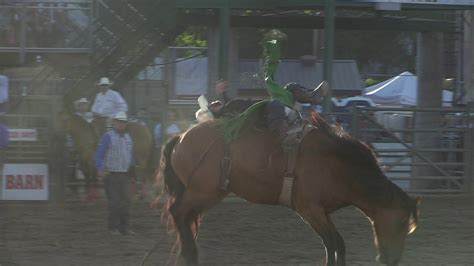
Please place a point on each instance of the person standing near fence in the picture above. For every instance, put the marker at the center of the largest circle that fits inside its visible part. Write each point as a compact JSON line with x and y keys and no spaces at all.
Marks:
{"x":114,"y":162}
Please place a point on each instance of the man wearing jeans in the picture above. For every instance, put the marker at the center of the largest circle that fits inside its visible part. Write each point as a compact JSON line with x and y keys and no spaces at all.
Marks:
{"x":114,"y":158}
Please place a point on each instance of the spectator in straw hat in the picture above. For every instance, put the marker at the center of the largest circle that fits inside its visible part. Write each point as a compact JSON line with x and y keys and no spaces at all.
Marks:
{"x":82,"y":109}
{"x":114,"y":162}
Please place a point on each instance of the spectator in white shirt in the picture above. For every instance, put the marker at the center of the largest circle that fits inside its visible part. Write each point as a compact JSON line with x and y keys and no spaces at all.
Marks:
{"x":108,"y":102}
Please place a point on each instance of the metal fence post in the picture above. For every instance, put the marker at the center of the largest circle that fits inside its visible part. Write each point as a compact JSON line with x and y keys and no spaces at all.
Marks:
{"x":355,"y":122}
{"x":22,"y":39}
{"x":470,"y":149}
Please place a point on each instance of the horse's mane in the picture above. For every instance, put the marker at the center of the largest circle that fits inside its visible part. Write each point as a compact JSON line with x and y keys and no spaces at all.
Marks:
{"x":378,"y":187}
{"x":353,"y":148}
{"x":80,"y":123}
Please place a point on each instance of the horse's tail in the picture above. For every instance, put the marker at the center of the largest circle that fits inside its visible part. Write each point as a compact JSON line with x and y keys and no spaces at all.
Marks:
{"x":172,"y":186}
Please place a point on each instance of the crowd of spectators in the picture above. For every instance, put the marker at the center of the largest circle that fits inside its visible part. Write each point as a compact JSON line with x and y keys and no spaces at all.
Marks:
{"x":43,"y":27}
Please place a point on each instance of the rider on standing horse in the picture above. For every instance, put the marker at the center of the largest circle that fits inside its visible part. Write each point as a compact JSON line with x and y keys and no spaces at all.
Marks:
{"x":82,"y":109}
{"x":108,"y":103}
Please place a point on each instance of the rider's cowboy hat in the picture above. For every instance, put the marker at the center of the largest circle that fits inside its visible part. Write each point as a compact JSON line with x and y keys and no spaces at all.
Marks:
{"x":104,"y":81}
{"x":121,"y":116}
{"x":82,"y":100}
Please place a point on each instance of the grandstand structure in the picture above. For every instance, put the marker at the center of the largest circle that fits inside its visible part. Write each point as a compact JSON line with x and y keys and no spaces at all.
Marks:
{"x":68,"y":44}
{"x":55,"y":50}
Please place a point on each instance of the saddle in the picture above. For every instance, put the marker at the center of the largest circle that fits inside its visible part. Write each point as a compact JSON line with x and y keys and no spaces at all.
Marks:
{"x":291,"y":144}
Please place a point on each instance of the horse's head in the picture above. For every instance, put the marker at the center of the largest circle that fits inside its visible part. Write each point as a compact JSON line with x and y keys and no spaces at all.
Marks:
{"x":391,"y":226}
{"x":393,"y":213}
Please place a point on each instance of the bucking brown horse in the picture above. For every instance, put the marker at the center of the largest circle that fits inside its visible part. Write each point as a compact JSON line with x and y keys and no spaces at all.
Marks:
{"x":333,"y":170}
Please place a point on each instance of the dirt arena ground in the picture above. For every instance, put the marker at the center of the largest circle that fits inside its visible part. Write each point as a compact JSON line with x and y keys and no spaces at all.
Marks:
{"x":233,"y":233}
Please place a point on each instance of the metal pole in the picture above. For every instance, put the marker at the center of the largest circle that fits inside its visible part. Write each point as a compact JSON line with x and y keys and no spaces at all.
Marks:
{"x":329,"y":27}
{"x":429,"y":72}
{"x":356,"y":113}
{"x":469,"y":145}
{"x":224,"y":25}
{"x":169,"y":89}
{"x":23,"y":15}
{"x":90,"y":24}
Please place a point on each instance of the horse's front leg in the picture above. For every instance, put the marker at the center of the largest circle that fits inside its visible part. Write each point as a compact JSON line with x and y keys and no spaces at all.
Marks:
{"x":332,"y":240}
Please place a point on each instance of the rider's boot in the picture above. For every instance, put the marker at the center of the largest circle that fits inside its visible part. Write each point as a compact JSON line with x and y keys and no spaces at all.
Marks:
{"x":319,"y":92}
{"x":303,"y":95}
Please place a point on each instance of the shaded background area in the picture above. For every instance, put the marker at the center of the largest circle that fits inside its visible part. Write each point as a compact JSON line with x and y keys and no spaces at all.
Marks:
{"x":233,"y":233}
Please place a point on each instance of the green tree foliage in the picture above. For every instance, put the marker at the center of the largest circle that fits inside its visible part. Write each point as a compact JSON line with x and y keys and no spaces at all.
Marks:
{"x":193,"y":36}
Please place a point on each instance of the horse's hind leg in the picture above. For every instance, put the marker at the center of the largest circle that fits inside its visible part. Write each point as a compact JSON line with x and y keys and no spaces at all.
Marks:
{"x":184,"y":220}
{"x":186,"y":212}
{"x":332,"y":240}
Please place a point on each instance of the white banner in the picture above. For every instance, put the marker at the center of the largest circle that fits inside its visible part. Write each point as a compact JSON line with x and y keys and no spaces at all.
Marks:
{"x":22,"y":134}
{"x":25,"y":182}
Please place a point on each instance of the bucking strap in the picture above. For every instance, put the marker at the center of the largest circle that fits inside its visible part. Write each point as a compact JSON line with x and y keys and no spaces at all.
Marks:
{"x":225,"y":168}
{"x":287,"y":187}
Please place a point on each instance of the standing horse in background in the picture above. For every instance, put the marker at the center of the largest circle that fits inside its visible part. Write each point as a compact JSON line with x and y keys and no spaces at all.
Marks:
{"x":333,"y":170}
{"x":86,"y":137}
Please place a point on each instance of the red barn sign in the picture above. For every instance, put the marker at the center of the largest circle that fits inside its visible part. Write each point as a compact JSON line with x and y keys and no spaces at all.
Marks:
{"x":25,"y":182}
